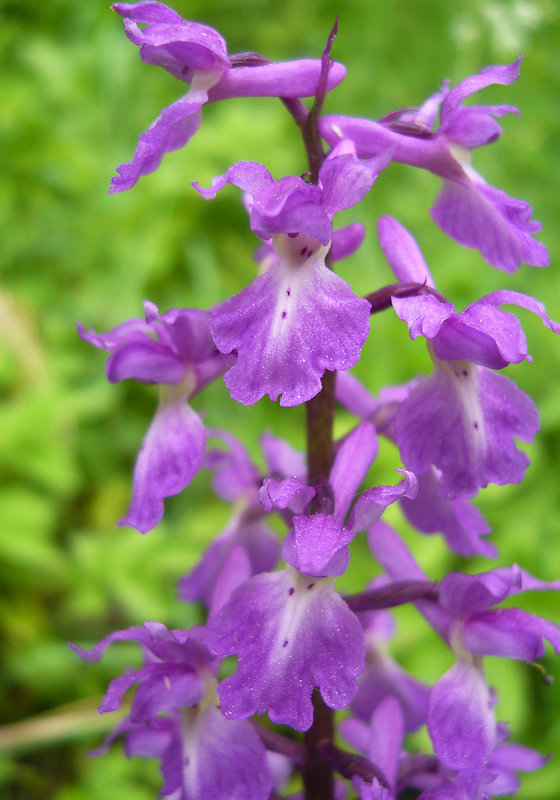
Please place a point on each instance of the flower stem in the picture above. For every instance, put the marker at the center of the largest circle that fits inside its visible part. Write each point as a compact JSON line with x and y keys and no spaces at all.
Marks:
{"x":317,"y":773}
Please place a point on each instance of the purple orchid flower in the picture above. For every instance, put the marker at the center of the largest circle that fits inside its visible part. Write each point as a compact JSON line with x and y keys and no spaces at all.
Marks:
{"x":183,"y":358}
{"x":298,"y":318}
{"x":197,"y":54}
{"x":461,"y":720}
{"x":290,"y":629}
{"x":467,"y":209}
{"x":202,"y":754}
{"x":464,"y":417}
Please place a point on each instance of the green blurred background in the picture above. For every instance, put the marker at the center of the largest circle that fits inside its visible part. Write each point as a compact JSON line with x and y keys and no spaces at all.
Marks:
{"x":74,"y":97}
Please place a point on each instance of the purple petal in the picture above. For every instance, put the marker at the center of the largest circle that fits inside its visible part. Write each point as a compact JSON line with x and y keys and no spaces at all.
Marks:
{"x":386,"y":738}
{"x":354,"y":396}
{"x":230,"y":761}
{"x":211,"y":757}
{"x":461,"y":523}
{"x":258,"y":542}
{"x":384,"y":678}
{"x":505,"y":297}
{"x":402,"y":252}
{"x":171,"y":42}
{"x":511,"y":633}
{"x":290,"y":325}
{"x":474,"y":126}
{"x":164,"y":687}
{"x":317,"y":545}
{"x":424,"y":314}
{"x":290,"y":634}
{"x":463,"y":420}
{"x":286,"y":79}
{"x":488,"y":76}
{"x":371,"y":504}
{"x":171,"y":130}
{"x":288,"y":493}
{"x":249,"y":176}
{"x":352,"y":461}
{"x":281,"y":458}
{"x":483,"y":335}
{"x":516,"y":756}
{"x":373,"y":138}
{"x":170,"y":456}
{"x":397,"y":560}
{"x":477,"y":215}
{"x":136,"y":634}
{"x":346,"y":241}
{"x":345,"y":180}
{"x":133,"y":330}
{"x":236,"y":570}
{"x":461,"y":722}
{"x":235,"y":475}
{"x":463,"y":595}
{"x":146,"y":362}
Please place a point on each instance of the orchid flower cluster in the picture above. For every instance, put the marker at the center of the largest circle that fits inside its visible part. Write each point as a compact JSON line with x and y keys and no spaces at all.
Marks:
{"x":304,"y":650}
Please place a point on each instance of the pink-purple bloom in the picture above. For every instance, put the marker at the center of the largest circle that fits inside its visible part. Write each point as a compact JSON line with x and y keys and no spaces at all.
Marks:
{"x":197,"y":54}
{"x":174,"y":718}
{"x":468,"y":209}
{"x":176,"y":351}
{"x":299,"y":318}
{"x":462,"y":419}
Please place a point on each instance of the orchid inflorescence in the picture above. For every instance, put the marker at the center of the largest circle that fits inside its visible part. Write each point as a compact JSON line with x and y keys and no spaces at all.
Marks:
{"x":303,"y":649}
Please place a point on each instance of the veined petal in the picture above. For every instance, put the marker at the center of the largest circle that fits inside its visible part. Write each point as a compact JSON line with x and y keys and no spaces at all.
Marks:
{"x":291,"y":633}
{"x":463,"y":420}
{"x":171,"y":130}
{"x":479,"y":216}
{"x":171,"y":455}
{"x":289,"y":325}
{"x":461,"y":722}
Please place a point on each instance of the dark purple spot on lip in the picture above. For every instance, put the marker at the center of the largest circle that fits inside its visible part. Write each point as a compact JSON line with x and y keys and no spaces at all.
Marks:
{"x":475,"y":426}
{"x":465,"y":372}
{"x":284,"y":314}
{"x":288,"y":292}
{"x":291,"y":590}
{"x":303,"y":251}
{"x":285,"y":643}
{"x":311,"y":585}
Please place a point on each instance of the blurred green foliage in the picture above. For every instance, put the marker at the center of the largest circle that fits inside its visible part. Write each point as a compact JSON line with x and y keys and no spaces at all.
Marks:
{"x":74,"y":98}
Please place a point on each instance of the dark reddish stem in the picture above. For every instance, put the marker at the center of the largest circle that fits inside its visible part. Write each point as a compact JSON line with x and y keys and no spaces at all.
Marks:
{"x":317,"y":770}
